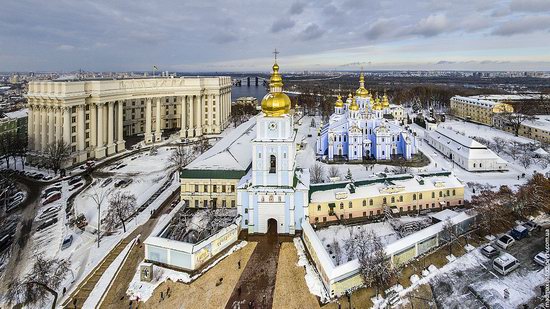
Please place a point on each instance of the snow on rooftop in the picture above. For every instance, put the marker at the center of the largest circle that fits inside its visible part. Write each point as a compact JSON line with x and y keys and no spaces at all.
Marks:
{"x":18,"y":114}
{"x":467,"y":147}
{"x":541,"y":122}
{"x":443,"y":215}
{"x":232,"y":152}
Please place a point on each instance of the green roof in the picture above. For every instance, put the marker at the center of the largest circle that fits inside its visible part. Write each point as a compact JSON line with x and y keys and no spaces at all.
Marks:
{"x":212,"y":174}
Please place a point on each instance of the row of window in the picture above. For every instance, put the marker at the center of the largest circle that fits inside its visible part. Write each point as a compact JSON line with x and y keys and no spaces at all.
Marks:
{"x":212,"y":203}
{"x":217,"y":188}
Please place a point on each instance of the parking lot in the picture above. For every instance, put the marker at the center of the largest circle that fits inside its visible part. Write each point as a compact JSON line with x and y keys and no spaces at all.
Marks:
{"x":471,"y":281}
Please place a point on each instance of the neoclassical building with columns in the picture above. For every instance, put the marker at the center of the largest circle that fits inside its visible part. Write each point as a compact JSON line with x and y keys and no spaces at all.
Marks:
{"x":94,"y":116}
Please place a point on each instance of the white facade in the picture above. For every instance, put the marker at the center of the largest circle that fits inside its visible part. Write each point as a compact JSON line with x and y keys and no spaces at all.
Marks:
{"x":464,"y":151}
{"x":94,"y":116}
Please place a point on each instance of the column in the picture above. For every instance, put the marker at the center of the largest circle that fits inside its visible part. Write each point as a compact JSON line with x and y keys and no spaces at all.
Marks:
{"x":183,"y":116}
{"x":93,"y":126}
{"x":36,"y":135}
{"x":158,"y":133}
{"x":100,"y":149}
{"x":110,"y":128}
{"x":58,"y":124}
{"x":44,"y":133}
{"x":67,"y":125}
{"x":30,"y":127}
{"x":148,"y":136}
{"x":51,"y":126}
{"x":121,"y":144}
{"x":198,"y":111}
{"x":191,"y":130}
{"x":80,"y":134}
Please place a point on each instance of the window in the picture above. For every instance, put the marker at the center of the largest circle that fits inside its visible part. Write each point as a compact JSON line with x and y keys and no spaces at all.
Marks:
{"x":350,"y":204}
{"x":341,"y":205}
{"x":393,"y":199}
{"x":205,"y":188}
{"x":384,"y":200}
{"x":401,"y":198}
{"x":318,"y":207}
{"x":196,"y":203}
{"x":232,"y":203}
{"x":272,"y":164}
{"x":196,"y":188}
{"x":246,"y":221}
{"x":350,"y":216}
{"x":420,"y":196}
{"x":454,"y":192}
{"x":364,"y":203}
{"x":370,"y":213}
{"x":223,"y":188}
{"x":440,"y":193}
{"x":232,"y":188}
{"x":433,"y":194}
{"x":371,"y":202}
{"x":246,"y":210}
{"x":414,"y":197}
{"x":214,"y":188}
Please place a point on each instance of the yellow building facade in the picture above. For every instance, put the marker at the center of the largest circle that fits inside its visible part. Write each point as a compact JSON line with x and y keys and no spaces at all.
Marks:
{"x":369,"y":198}
{"x":478,"y":110}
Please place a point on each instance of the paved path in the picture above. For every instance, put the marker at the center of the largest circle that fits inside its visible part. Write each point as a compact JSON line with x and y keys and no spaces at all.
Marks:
{"x":257,"y":283}
{"x":84,"y":289}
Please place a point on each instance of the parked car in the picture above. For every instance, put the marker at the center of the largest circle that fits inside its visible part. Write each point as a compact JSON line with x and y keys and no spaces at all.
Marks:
{"x":106,"y":182}
{"x":74,"y":180}
{"x":541,"y":258}
{"x":121,"y":166}
{"x":13,"y":205}
{"x":67,"y":242}
{"x":490,"y":251}
{"x":531,"y":226}
{"x":38,"y":176}
{"x":51,"y":209}
{"x":123,"y":183}
{"x":47,"y":177}
{"x":505,"y":241}
{"x":76,"y":186}
{"x":50,"y":190}
{"x":519,"y":232}
{"x":46,"y":224}
{"x":505,"y":264}
{"x":52,"y":198}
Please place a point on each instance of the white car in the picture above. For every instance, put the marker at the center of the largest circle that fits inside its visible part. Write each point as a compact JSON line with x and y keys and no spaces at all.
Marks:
{"x":541,"y":258}
{"x":505,"y":264}
{"x":505,"y":241}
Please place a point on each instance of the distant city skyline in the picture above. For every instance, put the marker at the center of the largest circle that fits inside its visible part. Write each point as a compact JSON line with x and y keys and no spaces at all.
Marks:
{"x":227,"y":36}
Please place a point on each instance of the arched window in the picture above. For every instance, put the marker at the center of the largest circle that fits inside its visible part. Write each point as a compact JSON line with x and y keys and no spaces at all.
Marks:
{"x":350,"y":204}
{"x":401,"y":198}
{"x":371,"y":202}
{"x":272,"y":164}
{"x":364,"y":203}
{"x":454,"y":192}
{"x":440,"y":193}
{"x":448,"y":193}
{"x":414,"y":197}
{"x":341,"y":205}
{"x":393,"y":199}
{"x":384,"y":200}
{"x":433,"y":194}
{"x":318,"y":207}
{"x":420,"y":196}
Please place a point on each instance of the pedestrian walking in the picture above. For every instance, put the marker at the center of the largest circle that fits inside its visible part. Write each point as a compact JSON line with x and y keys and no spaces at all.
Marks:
{"x":239,"y":264}
{"x":161,"y":296}
{"x":168,"y":292}
{"x":64,"y":290}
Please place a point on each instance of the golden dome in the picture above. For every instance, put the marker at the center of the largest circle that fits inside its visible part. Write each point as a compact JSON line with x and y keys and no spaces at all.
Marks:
{"x":339,"y":102}
{"x":385,"y":102}
{"x":276,"y":103}
{"x":361,"y":91}
{"x":377,"y":106}
{"x":354,"y":106}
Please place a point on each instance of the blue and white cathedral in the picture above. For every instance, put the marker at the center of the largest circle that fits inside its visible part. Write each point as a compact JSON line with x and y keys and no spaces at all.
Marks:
{"x":274,"y":194}
{"x":363,"y":128}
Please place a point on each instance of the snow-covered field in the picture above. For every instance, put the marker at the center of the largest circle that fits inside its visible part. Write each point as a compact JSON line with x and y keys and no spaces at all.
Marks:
{"x":147,"y":172}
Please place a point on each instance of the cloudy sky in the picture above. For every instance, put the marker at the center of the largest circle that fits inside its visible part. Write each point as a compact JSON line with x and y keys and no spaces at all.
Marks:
{"x":224,"y":35}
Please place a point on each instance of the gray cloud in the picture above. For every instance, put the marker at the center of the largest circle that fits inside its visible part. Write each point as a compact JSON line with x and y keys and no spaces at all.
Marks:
{"x":282,"y":24}
{"x":311,"y":32}
{"x":432,"y":25}
{"x":535,"y":6}
{"x":224,"y":37}
{"x":297,"y":8}
{"x":525,"y":24}
{"x":379,"y":28}
{"x":445,"y":62}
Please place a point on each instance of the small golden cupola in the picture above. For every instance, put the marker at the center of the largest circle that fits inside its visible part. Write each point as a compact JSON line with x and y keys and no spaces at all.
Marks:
{"x":276,"y":103}
{"x":339,"y":102}
{"x":362,"y":91}
{"x":354,"y":106}
{"x":385,"y":101}
{"x":377,"y":106}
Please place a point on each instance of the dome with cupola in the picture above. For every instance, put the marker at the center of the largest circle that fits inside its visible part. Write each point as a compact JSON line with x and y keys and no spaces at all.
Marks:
{"x":362,"y":91}
{"x":276,"y":103}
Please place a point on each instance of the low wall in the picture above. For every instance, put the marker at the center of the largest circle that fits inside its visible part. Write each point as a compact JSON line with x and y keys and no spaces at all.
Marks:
{"x":339,"y":279}
{"x":187,"y":256}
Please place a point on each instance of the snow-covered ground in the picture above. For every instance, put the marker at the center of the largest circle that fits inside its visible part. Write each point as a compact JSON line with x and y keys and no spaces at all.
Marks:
{"x":147,"y":172}
{"x":142,"y":291}
{"x":313,"y":281}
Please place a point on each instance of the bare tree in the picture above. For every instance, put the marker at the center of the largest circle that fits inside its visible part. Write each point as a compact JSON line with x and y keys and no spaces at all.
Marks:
{"x":317,"y":173}
{"x":401,"y":169}
{"x":182,"y":156}
{"x":337,"y":251}
{"x":449,"y":234}
{"x":201,"y":145}
{"x":525,"y":160}
{"x":56,"y":152}
{"x":514,"y":150}
{"x":98,"y":197}
{"x":374,"y":266}
{"x":333,"y":172}
{"x":493,"y":208}
{"x":499,"y":144}
{"x":45,"y":277}
{"x":121,"y":206}
{"x":514,"y":120}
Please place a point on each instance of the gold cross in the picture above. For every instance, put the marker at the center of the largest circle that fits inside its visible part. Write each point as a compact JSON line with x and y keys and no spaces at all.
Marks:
{"x":275,"y":52}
